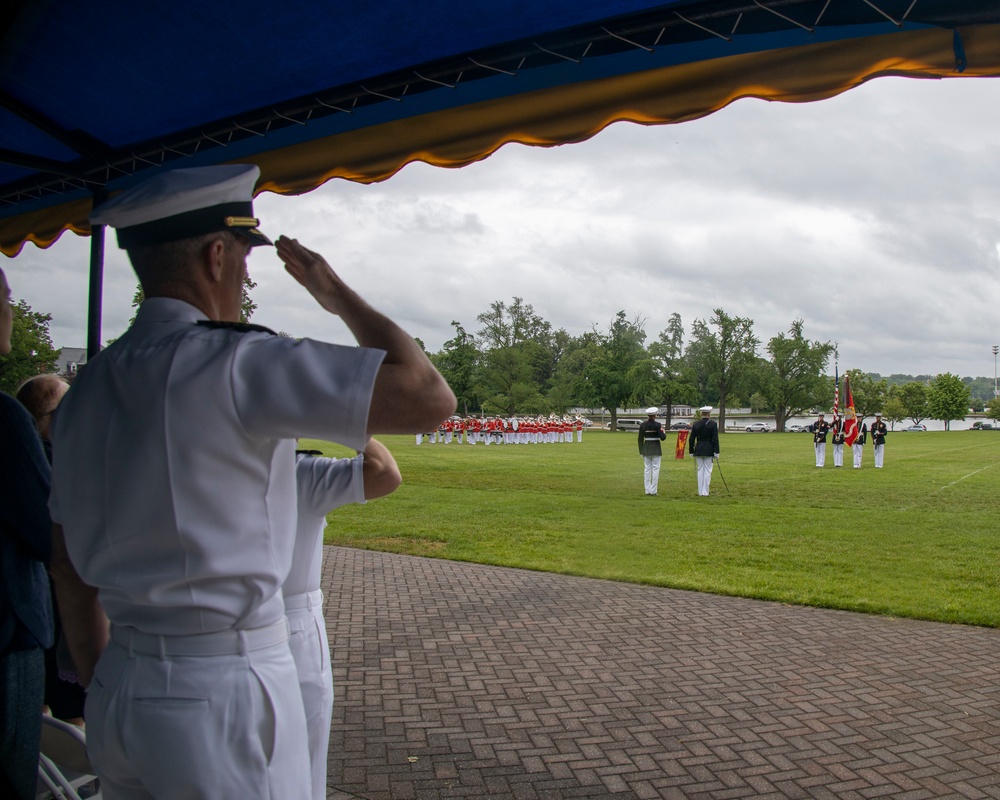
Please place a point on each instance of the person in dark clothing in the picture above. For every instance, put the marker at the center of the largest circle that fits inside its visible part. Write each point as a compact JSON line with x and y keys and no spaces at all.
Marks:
{"x":25,"y":603}
{"x":858,"y":448}
{"x":878,"y":432}
{"x":820,"y":429}
{"x":651,"y":433}
{"x":64,"y":694}
{"x":703,"y":444}
{"x":838,"y":439}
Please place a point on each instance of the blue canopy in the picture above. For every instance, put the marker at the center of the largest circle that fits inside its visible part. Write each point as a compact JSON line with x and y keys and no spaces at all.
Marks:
{"x":96,"y":96}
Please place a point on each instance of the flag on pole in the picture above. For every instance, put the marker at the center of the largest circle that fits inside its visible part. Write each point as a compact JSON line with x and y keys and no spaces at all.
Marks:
{"x":850,"y":417}
{"x":836,"y":390}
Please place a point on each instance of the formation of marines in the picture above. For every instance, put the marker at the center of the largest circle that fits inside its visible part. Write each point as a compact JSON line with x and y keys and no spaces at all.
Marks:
{"x":551,"y":429}
{"x":838,"y":428}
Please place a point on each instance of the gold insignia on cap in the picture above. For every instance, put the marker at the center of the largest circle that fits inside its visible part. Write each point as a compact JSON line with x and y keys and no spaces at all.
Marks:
{"x":241,"y":222}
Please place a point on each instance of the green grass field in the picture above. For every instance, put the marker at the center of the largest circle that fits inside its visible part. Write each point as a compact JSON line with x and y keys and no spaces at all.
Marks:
{"x":919,"y":538}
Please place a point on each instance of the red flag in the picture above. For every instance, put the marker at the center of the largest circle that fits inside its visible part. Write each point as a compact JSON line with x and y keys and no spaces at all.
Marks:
{"x":850,"y":418}
{"x":681,"y":447}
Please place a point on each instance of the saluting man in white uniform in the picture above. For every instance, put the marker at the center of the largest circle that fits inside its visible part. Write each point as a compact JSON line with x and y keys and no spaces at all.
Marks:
{"x":174,"y":481}
{"x":324,"y":484}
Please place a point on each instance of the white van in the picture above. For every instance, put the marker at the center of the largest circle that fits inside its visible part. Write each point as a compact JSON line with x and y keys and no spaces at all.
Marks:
{"x":626,"y":424}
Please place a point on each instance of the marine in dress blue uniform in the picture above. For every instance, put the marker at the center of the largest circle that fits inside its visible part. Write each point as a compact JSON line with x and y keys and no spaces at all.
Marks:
{"x":703,"y":444}
{"x":820,"y":428}
{"x":174,"y":481}
{"x":650,"y":435}
{"x":838,"y":438}
{"x":858,"y":448}
{"x":878,"y":431}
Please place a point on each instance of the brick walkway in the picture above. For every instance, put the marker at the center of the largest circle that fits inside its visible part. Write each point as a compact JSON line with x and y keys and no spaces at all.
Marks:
{"x":465,"y":681}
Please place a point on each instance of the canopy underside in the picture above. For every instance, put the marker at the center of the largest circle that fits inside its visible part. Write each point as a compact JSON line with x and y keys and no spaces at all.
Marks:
{"x":570,"y":98}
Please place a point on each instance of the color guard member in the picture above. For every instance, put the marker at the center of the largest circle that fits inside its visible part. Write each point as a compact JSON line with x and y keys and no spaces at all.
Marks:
{"x":820,"y":428}
{"x":879,"y":431}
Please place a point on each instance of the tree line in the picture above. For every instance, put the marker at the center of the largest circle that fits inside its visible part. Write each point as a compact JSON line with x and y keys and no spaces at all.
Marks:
{"x":516,"y":362}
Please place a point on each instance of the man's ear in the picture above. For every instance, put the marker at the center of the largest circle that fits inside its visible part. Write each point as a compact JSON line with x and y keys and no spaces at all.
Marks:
{"x":215,"y":261}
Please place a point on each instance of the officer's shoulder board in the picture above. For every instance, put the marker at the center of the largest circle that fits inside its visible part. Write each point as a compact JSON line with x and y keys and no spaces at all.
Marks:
{"x":239,"y":327}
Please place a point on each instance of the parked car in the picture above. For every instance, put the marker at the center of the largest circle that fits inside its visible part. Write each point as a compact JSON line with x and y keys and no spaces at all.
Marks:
{"x":915,"y":428}
{"x":680,"y":426}
{"x":983,"y":425}
{"x":758,"y":427}
{"x":796,"y":428}
{"x":626,"y":424}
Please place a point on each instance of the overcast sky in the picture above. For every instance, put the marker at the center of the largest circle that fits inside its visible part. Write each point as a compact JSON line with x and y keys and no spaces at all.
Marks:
{"x":873,"y":216}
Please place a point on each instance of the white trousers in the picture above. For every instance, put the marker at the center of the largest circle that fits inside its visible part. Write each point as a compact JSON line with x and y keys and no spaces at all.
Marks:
{"x":311,"y":651}
{"x":166,"y":726}
{"x":704,"y":466}
{"x":858,"y":450}
{"x":879,"y":455}
{"x":651,"y":473}
{"x":820,"y":453}
{"x":838,"y":455}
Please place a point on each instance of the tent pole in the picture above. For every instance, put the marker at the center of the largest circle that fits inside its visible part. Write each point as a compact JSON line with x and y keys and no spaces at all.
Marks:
{"x":96,"y":297}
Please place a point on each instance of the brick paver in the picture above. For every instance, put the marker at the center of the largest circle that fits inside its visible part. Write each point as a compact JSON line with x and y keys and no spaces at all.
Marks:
{"x":459,"y":680}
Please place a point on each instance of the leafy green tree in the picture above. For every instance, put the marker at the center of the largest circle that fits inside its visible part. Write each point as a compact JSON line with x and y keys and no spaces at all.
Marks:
{"x":457,"y":362}
{"x":616,"y":365}
{"x":673,"y":379}
{"x":793,"y":380}
{"x":727,"y":354}
{"x":913,"y":397}
{"x":947,"y":399}
{"x":893,"y":410}
{"x":568,"y":386}
{"x":869,"y":393}
{"x":980,"y":391}
{"x":31,"y":351}
{"x":993,"y":409}
{"x":516,"y":358}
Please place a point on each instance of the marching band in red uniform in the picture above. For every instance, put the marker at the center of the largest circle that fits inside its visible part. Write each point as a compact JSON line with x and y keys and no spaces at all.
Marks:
{"x":550,"y":429}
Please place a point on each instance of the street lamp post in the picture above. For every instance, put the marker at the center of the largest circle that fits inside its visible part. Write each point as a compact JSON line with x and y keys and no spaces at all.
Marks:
{"x":996,"y":349}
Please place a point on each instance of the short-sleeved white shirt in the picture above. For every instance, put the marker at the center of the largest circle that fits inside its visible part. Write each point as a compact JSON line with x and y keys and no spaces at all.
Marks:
{"x":323,"y":484}
{"x":174,"y":465}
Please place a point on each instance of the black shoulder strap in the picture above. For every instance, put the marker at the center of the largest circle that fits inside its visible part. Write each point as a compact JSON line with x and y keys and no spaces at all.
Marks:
{"x":239,"y":327}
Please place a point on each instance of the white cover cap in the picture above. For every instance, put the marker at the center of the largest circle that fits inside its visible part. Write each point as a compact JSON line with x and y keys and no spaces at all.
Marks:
{"x":653,"y":410}
{"x":181,"y":203}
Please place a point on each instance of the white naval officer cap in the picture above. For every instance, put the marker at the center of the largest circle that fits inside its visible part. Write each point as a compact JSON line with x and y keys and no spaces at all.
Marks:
{"x":653,"y":410}
{"x":705,"y":410}
{"x":182,"y":203}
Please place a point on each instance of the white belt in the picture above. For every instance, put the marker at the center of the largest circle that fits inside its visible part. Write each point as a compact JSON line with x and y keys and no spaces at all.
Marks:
{"x":223,"y":643}
{"x":304,"y":600}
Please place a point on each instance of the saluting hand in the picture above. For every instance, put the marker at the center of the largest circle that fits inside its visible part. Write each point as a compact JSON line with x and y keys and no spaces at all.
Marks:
{"x":311,"y":270}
